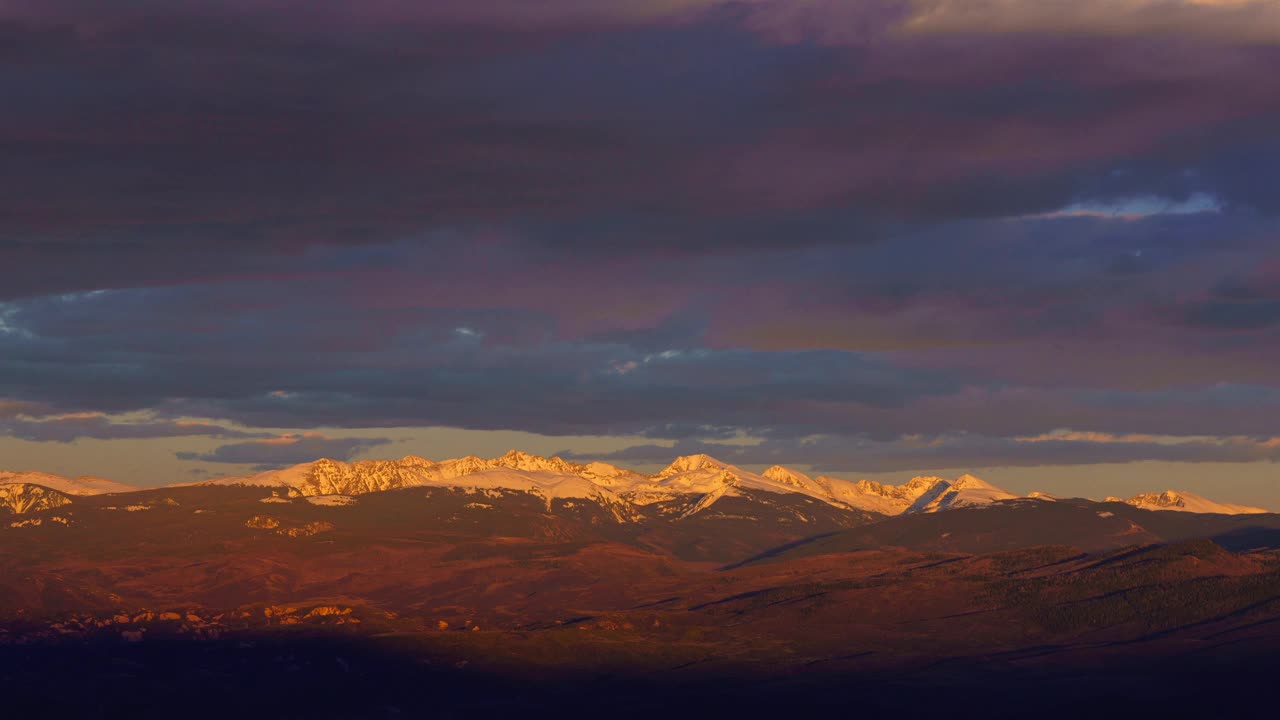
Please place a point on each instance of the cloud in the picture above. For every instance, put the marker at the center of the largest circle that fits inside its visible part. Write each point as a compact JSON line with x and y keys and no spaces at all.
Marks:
{"x":614,"y":125}
{"x":1233,"y":315}
{"x":1007,"y":327}
{"x":686,"y":220}
{"x":97,"y":426}
{"x":286,"y":450}
{"x":919,"y":453}
{"x":1240,"y":21}
{"x":15,"y":408}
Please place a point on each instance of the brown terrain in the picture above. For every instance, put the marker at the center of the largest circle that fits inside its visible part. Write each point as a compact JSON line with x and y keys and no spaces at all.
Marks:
{"x":561,"y":608}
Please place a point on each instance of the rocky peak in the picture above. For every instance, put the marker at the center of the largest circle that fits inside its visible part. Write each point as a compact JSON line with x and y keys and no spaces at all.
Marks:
{"x":415,"y":461}
{"x":1168,"y":498}
{"x":782,"y":475}
{"x":918,"y":485}
{"x":517,"y":460}
{"x":690,"y":463}
{"x":728,"y":477}
{"x":19,"y":498}
{"x":470,"y":463}
{"x":970,"y":482}
{"x":871,"y":486}
{"x":606,"y":474}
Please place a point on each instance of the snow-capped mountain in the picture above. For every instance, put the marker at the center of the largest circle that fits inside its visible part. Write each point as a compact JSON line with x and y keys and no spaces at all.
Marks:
{"x":20,"y":498}
{"x":1187,"y":502}
{"x":81,"y":486}
{"x":700,"y":479}
{"x":705,"y":475}
{"x":547,"y":478}
{"x":688,"y":486}
{"x":964,"y":491}
{"x":918,"y":495}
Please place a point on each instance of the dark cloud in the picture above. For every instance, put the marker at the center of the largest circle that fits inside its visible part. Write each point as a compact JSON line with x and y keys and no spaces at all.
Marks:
{"x":689,"y":220}
{"x":286,"y":450}
{"x":861,"y":454}
{"x":1229,"y":315}
{"x":999,"y":327}
{"x":67,"y":429}
{"x":177,"y":141}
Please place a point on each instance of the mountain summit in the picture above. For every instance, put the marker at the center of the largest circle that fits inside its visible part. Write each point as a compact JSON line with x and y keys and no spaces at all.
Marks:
{"x":81,"y":486}
{"x":1188,"y":502}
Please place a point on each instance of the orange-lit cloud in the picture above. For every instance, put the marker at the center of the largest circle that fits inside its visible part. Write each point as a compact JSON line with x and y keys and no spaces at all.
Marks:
{"x":286,"y":450}
{"x":1094,"y":437}
{"x":1223,"y":20}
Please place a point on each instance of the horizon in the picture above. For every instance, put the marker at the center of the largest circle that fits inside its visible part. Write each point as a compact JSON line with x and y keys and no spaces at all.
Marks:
{"x":1035,"y":241}
{"x":1001,"y":477}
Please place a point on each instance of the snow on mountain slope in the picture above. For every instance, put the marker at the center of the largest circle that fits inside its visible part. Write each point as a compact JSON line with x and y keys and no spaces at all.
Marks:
{"x":917,"y":495}
{"x":71,"y":486}
{"x":704,"y":475}
{"x":788,"y":477}
{"x":612,"y":487}
{"x":1188,"y":502}
{"x":964,"y":491}
{"x":19,"y":498}
{"x":546,"y":477}
{"x":701,"y":477}
{"x":608,"y":475}
{"x":333,"y":477}
{"x":697,"y":479}
{"x":880,"y":498}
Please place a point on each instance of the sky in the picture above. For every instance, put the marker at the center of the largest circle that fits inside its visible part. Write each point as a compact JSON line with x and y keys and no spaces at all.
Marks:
{"x":1034,"y":239}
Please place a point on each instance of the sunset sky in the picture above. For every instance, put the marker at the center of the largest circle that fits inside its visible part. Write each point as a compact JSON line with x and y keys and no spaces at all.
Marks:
{"x":1038,"y":240}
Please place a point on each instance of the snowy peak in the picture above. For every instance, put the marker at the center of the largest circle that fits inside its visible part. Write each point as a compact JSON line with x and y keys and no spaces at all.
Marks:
{"x":1181,"y":501}
{"x":416,"y":461}
{"x":791,"y":478}
{"x":691,"y":463}
{"x":608,"y":475}
{"x":964,"y":491}
{"x":919,"y":494}
{"x":460,"y":466}
{"x":970,"y":482}
{"x":871,"y":487}
{"x":515,"y":470}
{"x":81,"y":486}
{"x":20,"y":498}
{"x":921,"y":484}
{"x":692,"y":478}
{"x":334,"y":477}
{"x":517,"y":460}
{"x":1165,"y":501}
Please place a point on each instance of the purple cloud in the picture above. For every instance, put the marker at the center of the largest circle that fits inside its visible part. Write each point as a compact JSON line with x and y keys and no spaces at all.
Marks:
{"x":858,"y":454}
{"x":684,"y":220}
{"x":286,"y":450}
{"x":95,"y":426}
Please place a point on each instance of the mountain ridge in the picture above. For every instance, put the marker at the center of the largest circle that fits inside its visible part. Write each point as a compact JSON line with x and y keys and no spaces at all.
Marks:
{"x":704,"y":479}
{"x":82,"y":486}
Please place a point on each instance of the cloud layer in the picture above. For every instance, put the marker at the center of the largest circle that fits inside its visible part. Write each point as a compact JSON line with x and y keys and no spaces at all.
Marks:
{"x":285,"y":450}
{"x":917,"y":231}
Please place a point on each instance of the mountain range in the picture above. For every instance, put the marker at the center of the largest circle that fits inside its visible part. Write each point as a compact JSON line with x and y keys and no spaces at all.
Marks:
{"x":690,"y":485}
{"x":425,"y":585}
